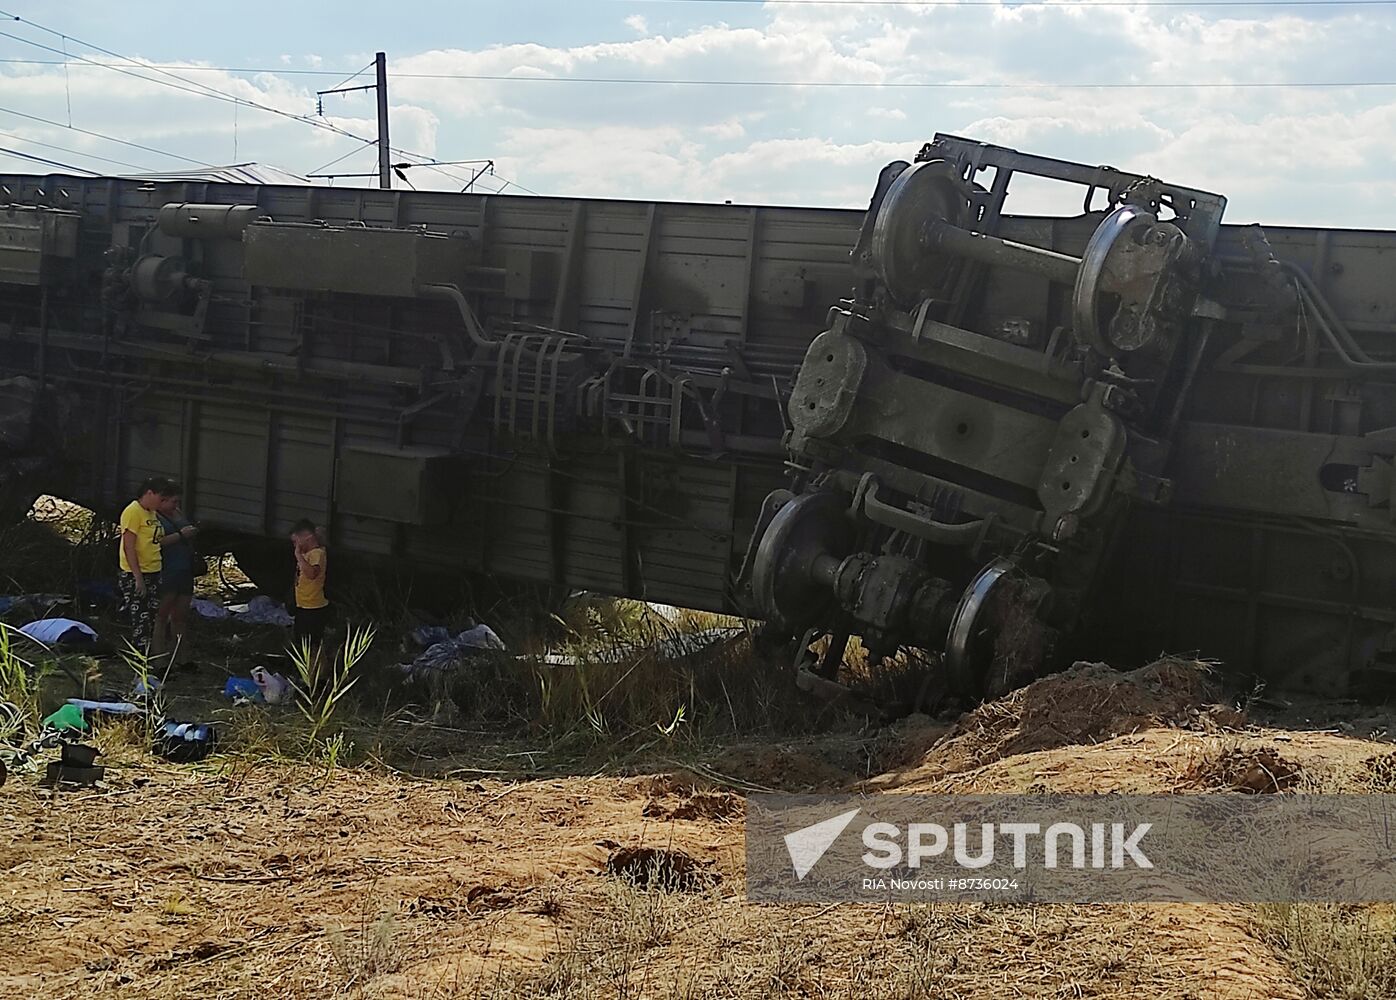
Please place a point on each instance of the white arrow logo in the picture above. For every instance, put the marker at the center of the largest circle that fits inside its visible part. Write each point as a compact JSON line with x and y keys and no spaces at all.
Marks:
{"x":807,"y":845}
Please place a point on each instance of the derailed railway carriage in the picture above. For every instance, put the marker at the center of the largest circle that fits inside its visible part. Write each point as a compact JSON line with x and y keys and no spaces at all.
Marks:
{"x":1006,"y":440}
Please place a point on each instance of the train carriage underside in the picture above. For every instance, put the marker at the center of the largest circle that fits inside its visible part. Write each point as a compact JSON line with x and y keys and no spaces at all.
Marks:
{"x":1010,"y":441}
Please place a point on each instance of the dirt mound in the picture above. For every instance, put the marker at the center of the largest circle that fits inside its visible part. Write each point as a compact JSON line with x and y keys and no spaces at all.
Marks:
{"x":667,"y":870}
{"x":1236,"y":769}
{"x":1089,"y":703}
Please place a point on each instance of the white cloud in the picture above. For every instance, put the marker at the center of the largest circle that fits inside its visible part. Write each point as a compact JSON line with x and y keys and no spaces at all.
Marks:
{"x":732,"y":128}
{"x":1280,"y":155}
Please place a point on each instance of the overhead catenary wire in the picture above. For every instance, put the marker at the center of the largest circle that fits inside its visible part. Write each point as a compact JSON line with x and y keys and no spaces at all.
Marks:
{"x":45,"y":160}
{"x":102,"y":135}
{"x":826,"y":84}
{"x":200,"y":89}
{"x":341,"y":158}
{"x":1018,"y":3}
{"x":197,"y":89}
{"x":73,"y":152}
{"x":912,"y":84}
{"x":351,"y":76}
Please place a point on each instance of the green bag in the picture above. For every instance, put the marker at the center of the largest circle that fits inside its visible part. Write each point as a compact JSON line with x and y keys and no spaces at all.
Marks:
{"x":66,"y":718}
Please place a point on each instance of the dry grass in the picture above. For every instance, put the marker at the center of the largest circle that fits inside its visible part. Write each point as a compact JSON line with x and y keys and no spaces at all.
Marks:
{"x":1342,"y":952}
{"x":640,"y":944}
{"x":635,"y":680}
{"x":368,"y":950}
{"x":279,"y":867}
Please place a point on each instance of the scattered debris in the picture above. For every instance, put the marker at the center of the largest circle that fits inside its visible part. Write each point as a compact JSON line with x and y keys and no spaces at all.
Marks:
{"x":185,"y":742}
{"x":89,"y":707}
{"x":261,"y":610}
{"x":75,"y":766}
{"x":242,"y":690}
{"x":274,"y":688}
{"x":67,"y":718}
{"x":23,"y":757}
{"x":664,"y":869}
{"x":205,"y":608}
{"x":444,"y":651}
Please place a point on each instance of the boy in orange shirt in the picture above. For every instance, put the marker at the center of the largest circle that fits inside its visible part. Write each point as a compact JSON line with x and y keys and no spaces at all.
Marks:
{"x":312,"y":612}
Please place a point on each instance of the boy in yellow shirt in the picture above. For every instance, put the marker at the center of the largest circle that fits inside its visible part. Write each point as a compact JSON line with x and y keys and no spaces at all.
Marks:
{"x":139,"y":555}
{"x":312,"y":612}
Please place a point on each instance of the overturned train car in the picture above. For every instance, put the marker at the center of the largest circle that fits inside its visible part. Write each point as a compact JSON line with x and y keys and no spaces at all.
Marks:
{"x":1007,"y":440}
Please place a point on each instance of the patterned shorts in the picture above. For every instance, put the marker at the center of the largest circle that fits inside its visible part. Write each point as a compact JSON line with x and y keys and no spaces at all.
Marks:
{"x":141,"y":608}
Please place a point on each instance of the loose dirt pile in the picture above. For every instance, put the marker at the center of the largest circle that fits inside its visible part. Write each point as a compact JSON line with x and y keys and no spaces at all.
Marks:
{"x":660,"y":869}
{"x":1089,"y":703}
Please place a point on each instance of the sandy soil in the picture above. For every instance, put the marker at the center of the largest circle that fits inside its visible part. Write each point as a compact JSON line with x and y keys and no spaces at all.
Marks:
{"x":240,"y":877}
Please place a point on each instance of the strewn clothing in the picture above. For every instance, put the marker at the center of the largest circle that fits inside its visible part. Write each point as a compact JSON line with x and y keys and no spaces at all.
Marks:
{"x":311,"y":593}
{"x":145,"y":525}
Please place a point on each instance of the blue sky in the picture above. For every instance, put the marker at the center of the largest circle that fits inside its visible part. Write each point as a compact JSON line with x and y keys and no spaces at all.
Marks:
{"x":1317,"y":156}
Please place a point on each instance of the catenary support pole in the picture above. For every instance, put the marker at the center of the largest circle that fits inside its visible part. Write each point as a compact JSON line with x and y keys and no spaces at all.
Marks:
{"x":385,"y":170}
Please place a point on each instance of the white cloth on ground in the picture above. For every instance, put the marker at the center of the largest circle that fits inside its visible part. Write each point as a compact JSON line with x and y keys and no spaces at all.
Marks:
{"x":53,"y":629}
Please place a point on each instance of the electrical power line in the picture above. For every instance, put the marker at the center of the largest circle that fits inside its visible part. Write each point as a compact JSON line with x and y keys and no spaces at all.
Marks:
{"x":341,"y":158}
{"x":52,"y":163}
{"x":202,"y":90}
{"x":102,"y":135}
{"x":352,"y":76}
{"x":1011,"y":4}
{"x":916,"y":84}
{"x":826,"y":84}
{"x":74,"y":152}
{"x":198,"y":89}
